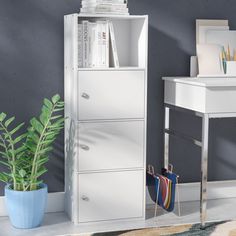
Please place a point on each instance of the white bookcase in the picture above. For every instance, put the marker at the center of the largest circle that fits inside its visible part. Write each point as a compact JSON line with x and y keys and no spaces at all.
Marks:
{"x":105,"y":133}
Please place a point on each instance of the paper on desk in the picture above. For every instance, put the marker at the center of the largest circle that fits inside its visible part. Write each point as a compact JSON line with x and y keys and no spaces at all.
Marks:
{"x":209,"y":59}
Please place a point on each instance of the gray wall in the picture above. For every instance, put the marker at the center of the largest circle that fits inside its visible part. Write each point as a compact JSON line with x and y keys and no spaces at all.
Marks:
{"x":31,"y":68}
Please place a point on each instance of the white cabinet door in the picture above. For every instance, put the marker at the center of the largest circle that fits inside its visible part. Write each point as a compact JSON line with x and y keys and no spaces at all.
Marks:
{"x":111,"y":94}
{"x":110,"y":196}
{"x":111,"y":145}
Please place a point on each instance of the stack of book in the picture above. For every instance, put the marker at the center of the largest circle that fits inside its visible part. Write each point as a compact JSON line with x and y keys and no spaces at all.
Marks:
{"x":118,"y":7}
{"x":97,"y":45}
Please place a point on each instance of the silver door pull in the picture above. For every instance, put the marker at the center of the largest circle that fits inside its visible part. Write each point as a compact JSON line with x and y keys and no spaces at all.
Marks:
{"x":85,"y":198}
{"x":84,"y":147}
{"x":85,"y":95}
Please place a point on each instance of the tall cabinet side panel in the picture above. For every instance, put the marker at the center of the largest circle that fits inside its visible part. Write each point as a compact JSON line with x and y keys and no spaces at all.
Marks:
{"x":70,"y":77}
{"x":146,"y":103}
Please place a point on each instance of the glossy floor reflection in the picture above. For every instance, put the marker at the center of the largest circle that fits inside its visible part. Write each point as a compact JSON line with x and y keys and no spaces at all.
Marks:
{"x":58,"y":224}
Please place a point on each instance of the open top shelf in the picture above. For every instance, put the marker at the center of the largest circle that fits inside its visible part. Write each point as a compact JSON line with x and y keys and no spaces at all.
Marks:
{"x":130,"y":36}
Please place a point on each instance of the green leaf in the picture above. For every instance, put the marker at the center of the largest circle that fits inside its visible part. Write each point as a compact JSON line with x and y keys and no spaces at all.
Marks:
{"x":48,"y":103}
{"x":2,"y":145}
{"x":46,"y":110}
{"x":2,"y":116}
{"x":48,"y":142}
{"x":36,"y":125}
{"x":3,"y":154}
{"x":41,"y":172}
{"x":5,"y":164}
{"x":31,"y":146}
{"x":4,"y":178}
{"x":9,"y":121}
{"x":19,"y":138}
{"x":33,"y":136}
{"x":22,"y":173}
{"x":42,"y":161}
{"x":17,"y":128}
{"x":55,"y":117}
{"x":56,"y":98}
{"x":20,"y":149}
{"x":45,"y":150}
{"x":43,"y":119}
{"x":58,"y":109}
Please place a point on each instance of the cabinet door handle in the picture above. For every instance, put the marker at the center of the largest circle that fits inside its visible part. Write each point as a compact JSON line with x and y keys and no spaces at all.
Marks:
{"x":85,"y":95}
{"x":85,"y":198}
{"x":84,"y":147}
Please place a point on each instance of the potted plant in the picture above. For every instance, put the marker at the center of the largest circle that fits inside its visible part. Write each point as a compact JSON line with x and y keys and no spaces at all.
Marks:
{"x":24,"y":156}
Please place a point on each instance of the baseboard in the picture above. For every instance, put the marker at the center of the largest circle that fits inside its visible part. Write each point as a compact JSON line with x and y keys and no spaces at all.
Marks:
{"x":55,"y":203}
{"x":216,"y":190}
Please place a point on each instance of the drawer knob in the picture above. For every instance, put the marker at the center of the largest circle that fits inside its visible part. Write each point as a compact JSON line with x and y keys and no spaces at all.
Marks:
{"x":85,"y":95}
{"x":84,"y":147}
{"x":85,"y":198}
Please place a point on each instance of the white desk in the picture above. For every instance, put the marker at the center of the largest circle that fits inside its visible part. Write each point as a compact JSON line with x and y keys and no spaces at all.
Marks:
{"x":205,"y":97}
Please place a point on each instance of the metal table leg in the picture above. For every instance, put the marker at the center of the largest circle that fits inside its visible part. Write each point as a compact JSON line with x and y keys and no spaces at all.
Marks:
{"x":166,"y":141}
{"x":204,"y":163}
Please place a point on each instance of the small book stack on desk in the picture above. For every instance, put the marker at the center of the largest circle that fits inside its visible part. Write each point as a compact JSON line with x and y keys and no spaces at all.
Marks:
{"x":116,"y":7}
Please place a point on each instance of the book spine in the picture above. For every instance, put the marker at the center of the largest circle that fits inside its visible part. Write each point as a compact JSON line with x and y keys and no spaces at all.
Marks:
{"x":102,"y":11}
{"x":105,"y":8}
{"x":90,"y":45}
{"x":103,"y":1}
{"x":105,"y":47}
{"x":107,"y":44}
{"x":80,"y":45}
{"x":85,"y":44}
{"x":113,"y":45}
{"x":93,"y":50}
{"x":99,"y":44}
{"x":105,"y":5}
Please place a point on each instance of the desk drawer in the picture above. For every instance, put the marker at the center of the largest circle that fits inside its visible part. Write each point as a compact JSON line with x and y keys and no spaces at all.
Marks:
{"x":111,"y":145}
{"x":110,"y":196}
{"x":111,"y":95}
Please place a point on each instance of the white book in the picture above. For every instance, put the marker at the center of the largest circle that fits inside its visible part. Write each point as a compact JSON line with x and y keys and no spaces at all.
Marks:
{"x":92,"y":44}
{"x":104,"y":9}
{"x":105,"y":5}
{"x":97,"y":11}
{"x":80,"y":45}
{"x":104,"y":13}
{"x":103,"y":44}
{"x":114,"y":53}
{"x":99,"y":44}
{"x":106,"y":30}
{"x":85,"y":44}
{"x":103,"y":1}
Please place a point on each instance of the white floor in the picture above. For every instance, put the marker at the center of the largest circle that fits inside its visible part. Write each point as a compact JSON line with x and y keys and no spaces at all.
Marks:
{"x":58,"y":224}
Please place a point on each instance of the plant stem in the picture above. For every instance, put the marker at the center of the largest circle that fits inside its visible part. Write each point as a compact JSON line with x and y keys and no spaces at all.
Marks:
{"x":34,"y":166}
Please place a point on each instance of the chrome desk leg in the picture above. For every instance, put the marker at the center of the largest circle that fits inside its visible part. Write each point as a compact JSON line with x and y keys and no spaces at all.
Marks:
{"x":204,"y":162}
{"x":166,"y":141}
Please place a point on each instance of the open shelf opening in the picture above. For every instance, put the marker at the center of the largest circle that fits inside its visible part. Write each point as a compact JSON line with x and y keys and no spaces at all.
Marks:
{"x":130,"y":37}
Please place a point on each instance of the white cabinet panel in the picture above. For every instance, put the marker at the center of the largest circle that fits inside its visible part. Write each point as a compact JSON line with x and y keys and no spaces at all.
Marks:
{"x":111,"y":94}
{"x":111,"y":195}
{"x":111,"y":145}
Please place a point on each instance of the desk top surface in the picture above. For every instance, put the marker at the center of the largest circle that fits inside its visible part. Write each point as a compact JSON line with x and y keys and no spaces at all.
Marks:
{"x":204,"y":81}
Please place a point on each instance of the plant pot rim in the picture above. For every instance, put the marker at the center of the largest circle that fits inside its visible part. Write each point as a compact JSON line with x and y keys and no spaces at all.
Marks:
{"x":42,"y":186}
